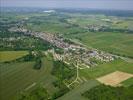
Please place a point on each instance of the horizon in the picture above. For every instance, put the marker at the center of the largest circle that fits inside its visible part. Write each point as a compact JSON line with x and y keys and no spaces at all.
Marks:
{"x":78,"y":4}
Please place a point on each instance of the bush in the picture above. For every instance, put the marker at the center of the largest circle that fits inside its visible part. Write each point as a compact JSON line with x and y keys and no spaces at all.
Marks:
{"x":103,"y":92}
{"x":62,"y":70}
{"x":38,"y":63}
{"x":39,"y":93}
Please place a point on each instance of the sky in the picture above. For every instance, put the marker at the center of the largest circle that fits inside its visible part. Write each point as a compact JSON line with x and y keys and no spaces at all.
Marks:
{"x":93,"y":4}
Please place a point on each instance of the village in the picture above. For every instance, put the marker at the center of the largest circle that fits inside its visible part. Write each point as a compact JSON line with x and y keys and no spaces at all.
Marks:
{"x":73,"y":52}
{"x":66,"y":53}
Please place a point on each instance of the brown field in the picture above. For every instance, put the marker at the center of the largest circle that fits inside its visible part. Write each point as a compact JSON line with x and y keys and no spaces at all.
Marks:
{"x":114,"y":78}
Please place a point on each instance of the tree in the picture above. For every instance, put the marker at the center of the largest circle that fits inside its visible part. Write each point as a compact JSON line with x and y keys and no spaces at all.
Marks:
{"x":38,"y":63}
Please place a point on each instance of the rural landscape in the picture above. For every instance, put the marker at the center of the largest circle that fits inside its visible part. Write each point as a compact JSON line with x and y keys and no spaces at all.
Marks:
{"x":66,"y":54}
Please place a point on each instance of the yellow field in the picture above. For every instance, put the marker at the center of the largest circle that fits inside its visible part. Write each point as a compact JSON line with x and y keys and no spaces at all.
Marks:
{"x":11,"y":55}
{"x":114,"y":78}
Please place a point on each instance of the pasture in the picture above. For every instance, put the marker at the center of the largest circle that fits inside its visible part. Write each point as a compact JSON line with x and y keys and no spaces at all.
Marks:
{"x":113,"y":42}
{"x":16,"y":77}
{"x":92,"y":73}
{"x":106,"y":68}
{"x":113,"y":22}
{"x":11,"y":55}
{"x":127,"y":82}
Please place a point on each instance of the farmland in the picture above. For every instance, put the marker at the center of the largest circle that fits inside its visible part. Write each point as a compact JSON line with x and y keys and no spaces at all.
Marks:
{"x":19,"y":76}
{"x":119,"y":77}
{"x":76,"y":27}
{"x":128,"y":82}
{"x":107,"y":68}
{"x":60,"y":55}
{"x":11,"y":55}
{"x":116,"y":43}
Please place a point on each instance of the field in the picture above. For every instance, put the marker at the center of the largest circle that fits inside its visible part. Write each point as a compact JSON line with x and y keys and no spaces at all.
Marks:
{"x":20,"y":75}
{"x":127,"y":82}
{"x":11,"y":55}
{"x":114,"y":22}
{"x":95,"y":72}
{"x":107,"y":68}
{"x":120,"y":43}
{"x":114,"y":78}
{"x":16,"y":77}
{"x":116,"y":43}
{"x":73,"y":25}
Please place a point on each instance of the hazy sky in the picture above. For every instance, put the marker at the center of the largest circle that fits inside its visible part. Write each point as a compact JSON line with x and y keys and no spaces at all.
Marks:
{"x":98,"y":4}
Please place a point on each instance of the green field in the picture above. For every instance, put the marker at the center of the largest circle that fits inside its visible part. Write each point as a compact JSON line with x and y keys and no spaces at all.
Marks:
{"x":116,"y":43}
{"x":96,"y":72}
{"x":73,"y":26}
{"x":106,"y":68}
{"x":16,"y":77}
{"x":128,"y":82}
{"x":11,"y":55}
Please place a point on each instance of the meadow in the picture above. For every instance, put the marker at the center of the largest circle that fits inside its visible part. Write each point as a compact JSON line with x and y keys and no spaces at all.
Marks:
{"x":112,"y":42}
{"x":92,"y":73}
{"x":74,"y":26}
{"x":127,"y":82}
{"x":106,"y":68}
{"x":18,"y":77}
{"x":21,"y":76}
{"x":11,"y":55}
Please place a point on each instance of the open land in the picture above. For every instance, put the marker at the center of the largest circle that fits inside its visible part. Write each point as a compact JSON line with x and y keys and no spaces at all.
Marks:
{"x":11,"y":55}
{"x":73,"y":50}
{"x":114,"y":78}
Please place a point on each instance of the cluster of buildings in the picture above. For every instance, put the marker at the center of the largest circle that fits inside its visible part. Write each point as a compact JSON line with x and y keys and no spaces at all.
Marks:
{"x":96,"y":27}
{"x":82,"y":56}
{"x":85,"y":56}
{"x":51,"y":38}
{"x":72,"y":52}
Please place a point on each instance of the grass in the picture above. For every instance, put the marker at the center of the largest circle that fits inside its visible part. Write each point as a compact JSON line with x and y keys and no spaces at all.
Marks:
{"x":16,"y":77}
{"x":107,"y":68}
{"x":117,"y":43}
{"x":128,"y":82}
{"x":61,"y":28}
{"x":11,"y":55}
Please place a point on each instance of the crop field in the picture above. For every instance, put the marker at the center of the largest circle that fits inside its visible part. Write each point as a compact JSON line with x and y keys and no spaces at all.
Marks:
{"x":114,"y":78}
{"x":95,"y":72}
{"x":74,"y":27}
{"x":84,"y":20}
{"x":16,"y":77}
{"x":54,"y":26}
{"x":106,"y":68}
{"x":66,"y":77}
{"x":116,"y":43}
{"x":127,"y":82}
{"x":11,"y":55}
